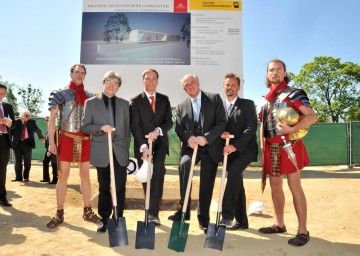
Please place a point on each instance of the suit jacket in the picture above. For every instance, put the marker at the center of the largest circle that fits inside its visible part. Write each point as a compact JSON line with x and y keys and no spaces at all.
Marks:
{"x":144,"y":120}
{"x":31,"y":128}
{"x":95,"y":116}
{"x":242,"y":123}
{"x":213,"y":123}
{"x":9,"y":112}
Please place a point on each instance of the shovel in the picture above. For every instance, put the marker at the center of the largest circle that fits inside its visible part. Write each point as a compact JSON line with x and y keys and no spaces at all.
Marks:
{"x":116,"y":226}
{"x":216,"y":234}
{"x":145,"y":230}
{"x":179,"y":230}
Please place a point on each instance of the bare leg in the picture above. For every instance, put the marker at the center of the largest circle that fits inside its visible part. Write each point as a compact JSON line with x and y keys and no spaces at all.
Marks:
{"x":85,"y":184}
{"x":61,"y":186}
{"x":299,"y":200}
{"x":278,"y":198}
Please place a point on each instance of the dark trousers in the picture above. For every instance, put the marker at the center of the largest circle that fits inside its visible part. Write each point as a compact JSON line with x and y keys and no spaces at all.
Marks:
{"x":4,"y":159}
{"x":105,"y":201}
{"x":234,"y":200}
{"x":208,"y":169}
{"x":23,"y":152}
{"x":158,"y":176}
{"x":47,"y":159}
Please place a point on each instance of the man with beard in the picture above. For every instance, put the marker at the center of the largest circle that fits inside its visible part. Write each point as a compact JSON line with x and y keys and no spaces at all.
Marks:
{"x":242,"y":150}
{"x":274,"y":158}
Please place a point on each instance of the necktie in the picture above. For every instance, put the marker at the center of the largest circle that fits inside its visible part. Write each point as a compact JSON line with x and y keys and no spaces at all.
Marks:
{"x":152,"y":103}
{"x":2,"y":126}
{"x":229,"y":109}
{"x":196,"y":110}
{"x":111,"y":113}
{"x":23,"y":132}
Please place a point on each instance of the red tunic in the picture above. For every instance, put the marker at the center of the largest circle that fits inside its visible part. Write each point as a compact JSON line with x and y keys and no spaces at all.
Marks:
{"x":66,"y":148}
{"x":286,"y":166}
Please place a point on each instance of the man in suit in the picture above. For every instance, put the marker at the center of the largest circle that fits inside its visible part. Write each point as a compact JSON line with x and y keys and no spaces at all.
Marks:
{"x":6,"y":124}
{"x":49,"y":157}
{"x":23,"y":144}
{"x":200,"y":120}
{"x":242,"y":150}
{"x":101,"y":115}
{"x":150,"y":114}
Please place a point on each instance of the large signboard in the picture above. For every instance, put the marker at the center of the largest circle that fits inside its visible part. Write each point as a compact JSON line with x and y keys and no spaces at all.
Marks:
{"x":175,"y":37}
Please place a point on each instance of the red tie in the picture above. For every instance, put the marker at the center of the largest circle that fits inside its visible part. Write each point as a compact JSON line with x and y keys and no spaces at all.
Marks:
{"x":152,"y":103}
{"x":23,"y":131}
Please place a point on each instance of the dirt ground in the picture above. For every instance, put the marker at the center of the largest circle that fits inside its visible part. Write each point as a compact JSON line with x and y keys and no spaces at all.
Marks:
{"x":333,"y":215}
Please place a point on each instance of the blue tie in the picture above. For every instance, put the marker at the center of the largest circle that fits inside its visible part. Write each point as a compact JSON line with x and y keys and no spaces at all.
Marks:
{"x":196,"y":110}
{"x":229,"y":109}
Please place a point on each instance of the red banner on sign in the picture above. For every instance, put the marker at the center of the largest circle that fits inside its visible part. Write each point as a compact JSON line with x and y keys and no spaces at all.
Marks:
{"x":180,"y":6}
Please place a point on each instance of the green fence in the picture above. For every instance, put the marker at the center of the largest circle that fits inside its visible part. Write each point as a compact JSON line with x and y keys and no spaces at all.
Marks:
{"x":327,"y":144}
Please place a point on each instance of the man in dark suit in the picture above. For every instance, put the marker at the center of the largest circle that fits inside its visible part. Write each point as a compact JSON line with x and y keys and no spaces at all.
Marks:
{"x":6,"y":123}
{"x":200,"y":120}
{"x":150,"y":114}
{"x":242,"y":150}
{"x":23,"y":143}
{"x":49,"y":157}
{"x":101,"y":115}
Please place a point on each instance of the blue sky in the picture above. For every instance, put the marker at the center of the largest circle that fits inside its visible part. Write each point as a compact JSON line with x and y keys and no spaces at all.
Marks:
{"x":40,"y":39}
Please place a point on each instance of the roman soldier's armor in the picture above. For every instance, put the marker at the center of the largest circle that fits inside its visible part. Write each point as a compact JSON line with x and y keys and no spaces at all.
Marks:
{"x":65,"y":99}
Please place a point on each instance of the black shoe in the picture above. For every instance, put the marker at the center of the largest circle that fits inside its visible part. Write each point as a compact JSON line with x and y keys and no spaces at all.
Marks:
{"x":236,"y":225}
{"x":177,"y":216}
{"x":155,"y":220}
{"x":44,"y":180}
{"x":102,"y":227}
{"x":53,"y":182}
{"x":16,"y":180}
{"x":26,"y":180}
{"x":226,"y":222}
{"x":204,"y":228}
{"x":5,"y":202}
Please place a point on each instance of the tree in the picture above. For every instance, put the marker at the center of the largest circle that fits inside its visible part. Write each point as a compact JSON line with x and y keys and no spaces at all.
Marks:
{"x":31,"y":99}
{"x":116,"y":27}
{"x":333,"y":88}
{"x":185,"y":31}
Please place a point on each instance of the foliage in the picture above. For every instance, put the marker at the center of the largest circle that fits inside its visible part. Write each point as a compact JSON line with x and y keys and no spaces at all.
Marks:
{"x":333,"y":88}
{"x":31,"y":99}
{"x":10,"y":97}
{"x":185,"y":31}
{"x":117,"y":27}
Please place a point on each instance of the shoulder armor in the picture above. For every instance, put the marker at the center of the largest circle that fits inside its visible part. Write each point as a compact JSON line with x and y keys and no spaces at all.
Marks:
{"x":60,"y":96}
{"x":299,"y":94}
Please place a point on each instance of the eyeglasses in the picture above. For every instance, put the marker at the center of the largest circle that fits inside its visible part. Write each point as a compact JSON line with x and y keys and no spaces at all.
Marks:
{"x":26,"y":115}
{"x":108,"y":82}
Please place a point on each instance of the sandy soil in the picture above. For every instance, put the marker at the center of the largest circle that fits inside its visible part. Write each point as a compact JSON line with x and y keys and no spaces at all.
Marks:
{"x":333,"y":216}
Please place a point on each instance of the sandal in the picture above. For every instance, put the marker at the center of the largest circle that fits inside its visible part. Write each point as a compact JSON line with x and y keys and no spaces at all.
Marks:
{"x":273,"y":229}
{"x":58,"y":219}
{"x":89,"y":215}
{"x":299,"y":239}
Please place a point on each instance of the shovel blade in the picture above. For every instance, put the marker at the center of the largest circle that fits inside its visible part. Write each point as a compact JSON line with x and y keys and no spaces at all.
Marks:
{"x":215,"y":237}
{"x":117,"y":232}
{"x":178,"y":236}
{"x":145,"y":235}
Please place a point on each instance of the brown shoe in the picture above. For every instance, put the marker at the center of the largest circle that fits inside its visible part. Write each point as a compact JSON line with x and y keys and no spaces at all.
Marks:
{"x":273,"y":229}
{"x":91,"y":216}
{"x":299,"y":239}
{"x":58,"y":219}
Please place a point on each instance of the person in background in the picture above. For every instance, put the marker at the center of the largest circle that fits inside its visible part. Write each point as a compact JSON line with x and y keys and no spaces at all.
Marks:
{"x":242,"y":150}
{"x":150,"y":114}
{"x":101,"y":115}
{"x":275,"y":159}
{"x":7,"y":124}
{"x":74,"y":146}
{"x":49,"y":157}
{"x":23,"y":144}
{"x":200,"y":120}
